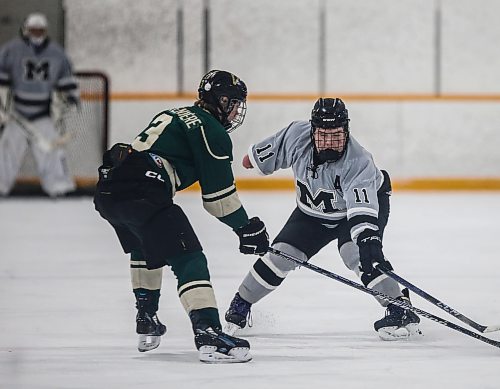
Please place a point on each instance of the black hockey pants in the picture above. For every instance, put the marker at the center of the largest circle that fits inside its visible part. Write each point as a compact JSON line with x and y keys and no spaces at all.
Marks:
{"x":135,"y":197}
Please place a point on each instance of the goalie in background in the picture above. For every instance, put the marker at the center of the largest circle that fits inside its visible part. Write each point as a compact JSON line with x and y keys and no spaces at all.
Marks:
{"x":341,"y":195}
{"x":135,"y":194}
{"x":33,"y":68}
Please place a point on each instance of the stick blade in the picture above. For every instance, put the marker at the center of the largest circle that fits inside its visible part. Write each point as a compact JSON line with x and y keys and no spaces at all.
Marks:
{"x":492,"y":328}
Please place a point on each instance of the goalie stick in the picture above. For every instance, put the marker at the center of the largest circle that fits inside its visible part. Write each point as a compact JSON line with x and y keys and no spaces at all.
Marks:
{"x":33,"y":134}
{"x":481,"y":328}
{"x":392,"y":300}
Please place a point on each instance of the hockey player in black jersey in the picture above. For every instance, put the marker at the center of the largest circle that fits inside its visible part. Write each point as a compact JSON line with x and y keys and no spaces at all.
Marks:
{"x":341,"y":195}
{"x":137,"y":183}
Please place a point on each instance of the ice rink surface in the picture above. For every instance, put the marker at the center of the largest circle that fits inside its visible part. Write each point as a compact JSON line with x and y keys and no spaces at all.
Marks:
{"x":67,"y":315}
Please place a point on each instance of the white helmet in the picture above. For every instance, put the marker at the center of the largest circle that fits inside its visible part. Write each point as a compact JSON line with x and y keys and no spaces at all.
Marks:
{"x":36,"y":21}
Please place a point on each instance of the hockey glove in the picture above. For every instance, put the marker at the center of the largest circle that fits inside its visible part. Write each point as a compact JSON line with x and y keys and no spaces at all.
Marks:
{"x":71,"y":100}
{"x":370,"y":252}
{"x":254,"y":238}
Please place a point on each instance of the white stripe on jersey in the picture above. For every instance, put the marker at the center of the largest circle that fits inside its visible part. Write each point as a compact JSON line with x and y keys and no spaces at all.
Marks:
{"x":330,"y":216}
{"x":360,"y":228}
{"x":362,"y":210}
{"x":66,"y":81}
{"x":32,"y":95}
{"x":202,"y":129}
{"x":254,"y":162}
{"x":219,"y":193}
{"x":223,"y":206}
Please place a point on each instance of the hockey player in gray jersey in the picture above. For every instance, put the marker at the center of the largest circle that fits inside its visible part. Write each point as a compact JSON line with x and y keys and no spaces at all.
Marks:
{"x":32,"y":67}
{"x":341,"y":195}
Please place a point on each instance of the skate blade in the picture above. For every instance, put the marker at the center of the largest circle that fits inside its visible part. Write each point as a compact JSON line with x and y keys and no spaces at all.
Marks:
{"x":399,"y":333}
{"x":148,"y":342}
{"x":231,"y":328}
{"x":209,"y":354}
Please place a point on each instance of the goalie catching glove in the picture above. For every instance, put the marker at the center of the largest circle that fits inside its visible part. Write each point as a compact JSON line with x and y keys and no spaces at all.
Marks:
{"x":254,"y":238}
{"x":370,"y":252}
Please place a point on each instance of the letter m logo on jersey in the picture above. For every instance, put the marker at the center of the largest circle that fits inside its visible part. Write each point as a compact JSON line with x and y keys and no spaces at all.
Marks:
{"x":322,"y":200}
{"x":34,"y":70}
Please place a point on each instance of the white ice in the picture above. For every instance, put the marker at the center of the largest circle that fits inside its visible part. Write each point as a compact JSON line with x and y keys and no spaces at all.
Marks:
{"x":67,"y":311}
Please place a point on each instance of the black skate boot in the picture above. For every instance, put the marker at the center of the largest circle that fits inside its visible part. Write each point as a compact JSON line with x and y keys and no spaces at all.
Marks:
{"x":238,"y":314}
{"x":398,"y":323}
{"x":215,"y":346}
{"x":148,"y":326}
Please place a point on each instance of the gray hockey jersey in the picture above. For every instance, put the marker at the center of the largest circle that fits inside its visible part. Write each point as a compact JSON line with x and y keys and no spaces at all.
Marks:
{"x":344,"y":188}
{"x":33,"y":73}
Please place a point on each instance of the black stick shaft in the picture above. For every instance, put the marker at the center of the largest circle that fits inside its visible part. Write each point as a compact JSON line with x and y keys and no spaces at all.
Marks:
{"x":435,"y":301}
{"x":392,"y":300}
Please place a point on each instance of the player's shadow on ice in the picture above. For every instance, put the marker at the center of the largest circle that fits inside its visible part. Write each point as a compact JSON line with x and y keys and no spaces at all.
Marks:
{"x":187,"y":356}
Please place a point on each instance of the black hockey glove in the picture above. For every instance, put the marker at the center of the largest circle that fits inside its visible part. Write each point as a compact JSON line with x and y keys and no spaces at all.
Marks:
{"x":254,"y":238}
{"x":370,"y":252}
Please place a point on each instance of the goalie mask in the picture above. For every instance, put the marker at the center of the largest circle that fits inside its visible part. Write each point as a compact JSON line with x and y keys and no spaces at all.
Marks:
{"x":225,"y":96}
{"x":329,"y":129}
{"x":35,"y":28}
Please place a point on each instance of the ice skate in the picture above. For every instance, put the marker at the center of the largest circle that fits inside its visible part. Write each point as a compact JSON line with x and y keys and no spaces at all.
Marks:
{"x":215,"y":346}
{"x":238,"y":315}
{"x":398,"y":323}
{"x":150,"y":331}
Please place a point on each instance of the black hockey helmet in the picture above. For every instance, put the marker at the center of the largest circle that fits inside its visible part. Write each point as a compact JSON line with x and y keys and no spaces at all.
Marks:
{"x":225,"y":96}
{"x":329,"y":113}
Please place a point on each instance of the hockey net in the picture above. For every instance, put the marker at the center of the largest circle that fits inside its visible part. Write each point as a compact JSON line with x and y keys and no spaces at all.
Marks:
{"x":87,"y":130}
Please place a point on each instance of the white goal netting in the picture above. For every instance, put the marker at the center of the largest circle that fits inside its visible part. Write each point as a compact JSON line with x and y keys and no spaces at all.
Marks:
{"x":88,"y":134}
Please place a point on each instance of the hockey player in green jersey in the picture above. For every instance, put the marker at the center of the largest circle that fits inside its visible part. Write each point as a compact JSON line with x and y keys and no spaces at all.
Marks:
{"x":137,"y":183}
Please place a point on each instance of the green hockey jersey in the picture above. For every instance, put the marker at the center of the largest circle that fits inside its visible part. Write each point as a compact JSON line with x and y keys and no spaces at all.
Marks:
{"x":195,"y":147}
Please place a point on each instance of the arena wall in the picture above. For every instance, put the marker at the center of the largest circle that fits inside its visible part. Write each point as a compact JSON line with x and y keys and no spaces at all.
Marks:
{"x":420,"y":78}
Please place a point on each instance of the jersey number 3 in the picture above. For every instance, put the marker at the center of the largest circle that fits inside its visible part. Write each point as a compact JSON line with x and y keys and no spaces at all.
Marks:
{"x":145,"y":140}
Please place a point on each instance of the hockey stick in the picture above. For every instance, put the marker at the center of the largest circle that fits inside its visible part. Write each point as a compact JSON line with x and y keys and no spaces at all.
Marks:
{"x":440,"y":304}
{"x":392,"y":300}
{"x":32,"y":133}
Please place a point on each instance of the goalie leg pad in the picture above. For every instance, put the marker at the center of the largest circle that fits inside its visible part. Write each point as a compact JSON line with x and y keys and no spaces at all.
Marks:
{"x":54,"y":173}
{"x":13,"y":146}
